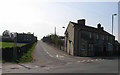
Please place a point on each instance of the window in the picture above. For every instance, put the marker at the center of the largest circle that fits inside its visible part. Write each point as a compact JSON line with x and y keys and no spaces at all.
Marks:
{"x":97,"y":37}
{"x":90,"y":35}
{"x":111,"y":39}
{"x":90,"y":47}
{"x":103,"y":37}
{"x":107,"y":37}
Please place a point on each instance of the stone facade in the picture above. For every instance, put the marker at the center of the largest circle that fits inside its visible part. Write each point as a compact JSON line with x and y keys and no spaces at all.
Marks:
{"x":26,"y":38}
{"x":83,"y":40}
{"x":69,"y":39}
{"x":18,"y":37}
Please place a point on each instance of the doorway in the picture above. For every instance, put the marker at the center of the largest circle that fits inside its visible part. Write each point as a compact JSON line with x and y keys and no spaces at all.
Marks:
{"x":104,"y":51}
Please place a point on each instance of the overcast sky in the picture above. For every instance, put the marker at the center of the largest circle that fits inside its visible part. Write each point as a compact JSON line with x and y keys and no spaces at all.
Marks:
{"x":41,"y":17}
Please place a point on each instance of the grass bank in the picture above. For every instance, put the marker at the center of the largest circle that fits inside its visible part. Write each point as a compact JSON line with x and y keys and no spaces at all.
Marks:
{"x":10,"y":44}
{"x":27,"y":57}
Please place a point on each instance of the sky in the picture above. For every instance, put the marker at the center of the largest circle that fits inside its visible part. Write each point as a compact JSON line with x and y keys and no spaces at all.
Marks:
{"x":41,"y":17}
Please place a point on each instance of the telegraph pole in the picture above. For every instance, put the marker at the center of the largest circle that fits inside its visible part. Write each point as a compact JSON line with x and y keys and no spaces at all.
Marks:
{"x":55,"y":30}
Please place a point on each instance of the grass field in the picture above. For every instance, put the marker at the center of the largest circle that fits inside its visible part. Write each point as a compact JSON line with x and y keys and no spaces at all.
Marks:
{"x":10,"y":44}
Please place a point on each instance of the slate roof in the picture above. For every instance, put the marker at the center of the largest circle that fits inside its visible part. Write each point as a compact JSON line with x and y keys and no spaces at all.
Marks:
{"x":90,"y":28}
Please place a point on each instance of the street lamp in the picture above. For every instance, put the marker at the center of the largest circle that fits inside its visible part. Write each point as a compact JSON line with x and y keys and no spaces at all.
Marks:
{"x":63,"y":27}
{"x":55,"y":30}
{"x":112,"y":21}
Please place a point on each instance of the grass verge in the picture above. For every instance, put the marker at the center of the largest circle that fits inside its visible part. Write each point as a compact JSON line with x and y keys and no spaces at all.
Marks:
{"x":27,"y":57}
{"x":10,"y":44}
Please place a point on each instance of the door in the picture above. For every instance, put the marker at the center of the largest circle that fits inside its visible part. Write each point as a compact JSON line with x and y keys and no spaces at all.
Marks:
{"x":104,"y":51}
{"x":70,"y":47}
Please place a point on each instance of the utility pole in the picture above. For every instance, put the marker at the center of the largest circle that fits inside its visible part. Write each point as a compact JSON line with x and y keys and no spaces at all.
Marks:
{"x":55,"y":30}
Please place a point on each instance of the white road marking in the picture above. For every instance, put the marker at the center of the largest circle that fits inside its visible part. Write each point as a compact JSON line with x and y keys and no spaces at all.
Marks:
{"x":59,"y":56}
{"x":96,"y":59}
{"x":83,"y":60}
{"x":57,"y":52}
{"x":48,"y":53}
{"x":92,"y":60}
{"x":36,"y":66}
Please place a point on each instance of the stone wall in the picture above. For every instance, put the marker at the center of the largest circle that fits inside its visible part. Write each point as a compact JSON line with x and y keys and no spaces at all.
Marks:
{"x":69,"y":39}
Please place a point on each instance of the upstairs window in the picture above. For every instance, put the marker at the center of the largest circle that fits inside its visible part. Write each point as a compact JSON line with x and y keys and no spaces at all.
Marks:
{"x":103,"y":37}
{"x":90,"y":35}
{"x":97,"y":37}
{"x":107,"y":37}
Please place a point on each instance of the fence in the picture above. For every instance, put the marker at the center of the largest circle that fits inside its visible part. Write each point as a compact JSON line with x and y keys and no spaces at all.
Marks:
{"x":14,"y":53}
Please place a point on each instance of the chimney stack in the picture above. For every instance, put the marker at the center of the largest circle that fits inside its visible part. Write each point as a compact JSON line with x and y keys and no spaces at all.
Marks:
{"x":102,"y":28}
{"x":81,"y":22}
{"x":99,"y":26}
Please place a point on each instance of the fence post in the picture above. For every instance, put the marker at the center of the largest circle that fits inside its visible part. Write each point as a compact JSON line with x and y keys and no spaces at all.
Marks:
{"x":15,"y":48}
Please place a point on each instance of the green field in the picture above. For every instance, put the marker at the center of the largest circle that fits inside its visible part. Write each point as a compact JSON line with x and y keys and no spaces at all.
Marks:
{"x":10,"y":44}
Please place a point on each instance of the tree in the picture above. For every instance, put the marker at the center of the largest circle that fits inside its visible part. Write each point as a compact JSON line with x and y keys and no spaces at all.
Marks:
{"x":6,"y":33}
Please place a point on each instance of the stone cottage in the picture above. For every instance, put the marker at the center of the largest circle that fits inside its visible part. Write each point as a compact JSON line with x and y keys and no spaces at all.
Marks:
{"x":84,"y":40}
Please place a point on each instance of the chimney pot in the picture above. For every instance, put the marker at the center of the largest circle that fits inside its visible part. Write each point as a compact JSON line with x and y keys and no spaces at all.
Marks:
{"x":102,"y":28}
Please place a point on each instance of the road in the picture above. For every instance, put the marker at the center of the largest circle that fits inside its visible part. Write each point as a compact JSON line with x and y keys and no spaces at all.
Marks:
{"x":48,"y":59}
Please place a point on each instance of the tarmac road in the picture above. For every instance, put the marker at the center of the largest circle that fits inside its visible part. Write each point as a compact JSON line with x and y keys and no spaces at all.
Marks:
{"x":48,"y":59}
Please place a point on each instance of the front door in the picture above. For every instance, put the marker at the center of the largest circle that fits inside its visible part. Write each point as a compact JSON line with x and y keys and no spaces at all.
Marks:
{"x":104,"y":51}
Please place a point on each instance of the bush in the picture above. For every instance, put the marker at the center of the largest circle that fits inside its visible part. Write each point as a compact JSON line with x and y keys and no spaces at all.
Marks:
{"x":53,"y":39}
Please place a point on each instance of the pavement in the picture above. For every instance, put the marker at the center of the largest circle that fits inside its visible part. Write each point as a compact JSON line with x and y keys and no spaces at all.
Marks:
{"x":48,"y":59}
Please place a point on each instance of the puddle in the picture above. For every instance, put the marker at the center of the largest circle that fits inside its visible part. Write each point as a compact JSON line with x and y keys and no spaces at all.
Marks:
{"x":43,"y":66}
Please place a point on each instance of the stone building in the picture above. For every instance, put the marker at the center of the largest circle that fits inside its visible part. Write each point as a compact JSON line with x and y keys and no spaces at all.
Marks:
{"x":18,"y":37}
{"x":83,"y":40}
{"x":116,"y":48}
{"x":26,"y":38}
